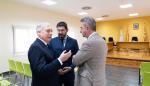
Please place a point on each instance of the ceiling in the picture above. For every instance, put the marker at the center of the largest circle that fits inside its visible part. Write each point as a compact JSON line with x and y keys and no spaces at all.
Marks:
{"x":99,"y":7}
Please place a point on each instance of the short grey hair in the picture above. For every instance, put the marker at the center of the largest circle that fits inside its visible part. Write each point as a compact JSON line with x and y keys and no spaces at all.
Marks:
{"x":39,"y":27}
{"x":90,"y":22}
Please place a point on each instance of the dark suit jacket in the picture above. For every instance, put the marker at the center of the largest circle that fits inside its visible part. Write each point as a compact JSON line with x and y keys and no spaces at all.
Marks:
{"x":71,"y":44}
{"x":44,"y":67}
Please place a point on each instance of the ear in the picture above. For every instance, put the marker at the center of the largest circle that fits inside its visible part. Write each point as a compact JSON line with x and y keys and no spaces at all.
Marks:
{"x":38,"y":33}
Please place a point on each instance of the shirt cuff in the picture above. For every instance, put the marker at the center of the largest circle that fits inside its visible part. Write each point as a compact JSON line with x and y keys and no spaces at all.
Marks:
{"x":60,"y":61}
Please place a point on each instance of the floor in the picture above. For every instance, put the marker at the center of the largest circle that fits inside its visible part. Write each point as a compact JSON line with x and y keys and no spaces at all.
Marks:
{"x":120,"y":76}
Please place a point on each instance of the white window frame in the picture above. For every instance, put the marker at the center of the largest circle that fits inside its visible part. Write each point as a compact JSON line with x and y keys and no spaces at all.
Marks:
{"x":31,"y":35}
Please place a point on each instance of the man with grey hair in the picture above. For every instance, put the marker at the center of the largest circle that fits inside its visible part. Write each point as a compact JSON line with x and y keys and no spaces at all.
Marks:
{"x":91,"y":57}
{"x":43,"y":65}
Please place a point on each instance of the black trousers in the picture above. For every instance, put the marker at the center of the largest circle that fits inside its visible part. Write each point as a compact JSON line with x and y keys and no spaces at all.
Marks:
{"x":67,"y":79}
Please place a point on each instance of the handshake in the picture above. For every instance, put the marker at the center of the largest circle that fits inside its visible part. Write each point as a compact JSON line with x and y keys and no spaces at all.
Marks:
{"x":65,"y":55}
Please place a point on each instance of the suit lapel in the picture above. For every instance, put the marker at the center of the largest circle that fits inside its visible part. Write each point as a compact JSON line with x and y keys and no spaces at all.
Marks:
{"x":59,"y":42}
{"x":45,"y":49}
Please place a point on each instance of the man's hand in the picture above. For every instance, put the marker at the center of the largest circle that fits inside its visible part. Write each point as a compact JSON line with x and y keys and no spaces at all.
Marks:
{"x":65,"y":55}
{"x":60,"y":72}
{"x":66,"y":69}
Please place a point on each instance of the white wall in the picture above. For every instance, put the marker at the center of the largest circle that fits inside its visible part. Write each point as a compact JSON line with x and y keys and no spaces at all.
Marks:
{"x":12,"y":13}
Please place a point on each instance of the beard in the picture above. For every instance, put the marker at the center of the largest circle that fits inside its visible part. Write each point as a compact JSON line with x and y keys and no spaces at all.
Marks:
{"x":61,"y":36}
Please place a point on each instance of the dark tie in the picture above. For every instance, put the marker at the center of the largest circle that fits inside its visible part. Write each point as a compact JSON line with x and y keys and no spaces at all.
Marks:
{"x":47,"y":45}
{"x":62,"y":41}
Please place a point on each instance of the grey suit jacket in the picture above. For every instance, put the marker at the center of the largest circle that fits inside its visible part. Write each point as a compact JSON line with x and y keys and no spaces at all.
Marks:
{"x":90,"y":60}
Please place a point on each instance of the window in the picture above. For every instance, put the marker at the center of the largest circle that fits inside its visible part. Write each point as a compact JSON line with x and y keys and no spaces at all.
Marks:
{"x":23,"y":37}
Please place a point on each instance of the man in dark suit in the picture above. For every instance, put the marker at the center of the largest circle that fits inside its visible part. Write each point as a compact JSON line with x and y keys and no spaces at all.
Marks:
{"x":43,"y":65}
{"x":59,"y":44}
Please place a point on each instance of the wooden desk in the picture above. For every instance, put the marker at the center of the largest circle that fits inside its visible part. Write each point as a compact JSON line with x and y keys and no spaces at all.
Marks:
{"x":146,"y":57}
{"x":127,"y":58}
{"x":110,"y":46}
{"x":133,"y":45}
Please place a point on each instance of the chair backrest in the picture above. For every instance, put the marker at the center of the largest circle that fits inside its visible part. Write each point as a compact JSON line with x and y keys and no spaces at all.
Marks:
{"x":12,"y":65}
{"x":1,"y":77}
{"x":146,"y":79}
{"x":27,"y":70}
{"x":19,"y":67}
{"x":110,"y":39}
{"x":104,"y":38}
{"x":144,"y":67}
{"x":134,"y":39}
{"x":4,"y":82}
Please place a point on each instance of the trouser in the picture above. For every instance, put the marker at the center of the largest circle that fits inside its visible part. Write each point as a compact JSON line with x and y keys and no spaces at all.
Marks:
{"x":67,"y":80}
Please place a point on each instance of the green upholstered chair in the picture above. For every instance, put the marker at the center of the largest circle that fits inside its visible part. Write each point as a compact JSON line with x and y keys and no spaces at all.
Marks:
{"x":146,"y":79}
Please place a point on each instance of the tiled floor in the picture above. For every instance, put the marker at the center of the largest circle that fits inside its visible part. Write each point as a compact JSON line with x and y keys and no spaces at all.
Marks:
{"x":120,"y":76}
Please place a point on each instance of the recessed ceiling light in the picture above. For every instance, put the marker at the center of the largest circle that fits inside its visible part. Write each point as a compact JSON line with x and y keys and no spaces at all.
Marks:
{"x":98,"y":19}
{"x":48,"y":2}
{"x":134,"y":14}
{"x":82,"y":13}
{"x":126,"y":6}
{"x":86,"y":8}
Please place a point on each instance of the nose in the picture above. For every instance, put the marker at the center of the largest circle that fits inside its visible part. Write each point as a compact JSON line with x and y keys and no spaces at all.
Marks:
{"x":60,"y":32}
{"x":50,"y":33}
{"x":80,"y":31}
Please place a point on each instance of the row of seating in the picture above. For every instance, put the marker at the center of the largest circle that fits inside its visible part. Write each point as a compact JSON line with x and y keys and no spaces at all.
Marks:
{"x":145,"y":73}
{"x":21,"y":68}
{"x":110,"y":39}
{"x":4,"y":82}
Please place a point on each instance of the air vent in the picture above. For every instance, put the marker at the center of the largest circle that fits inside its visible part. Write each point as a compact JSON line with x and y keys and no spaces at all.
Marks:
{"x":86,"y":8}
{"x":105,"y":16}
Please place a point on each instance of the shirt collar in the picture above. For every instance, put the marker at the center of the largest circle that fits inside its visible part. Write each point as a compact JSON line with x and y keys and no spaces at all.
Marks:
{"x":65,"y":37}
{"x":43,"y":41}
{"x":92,"y":34}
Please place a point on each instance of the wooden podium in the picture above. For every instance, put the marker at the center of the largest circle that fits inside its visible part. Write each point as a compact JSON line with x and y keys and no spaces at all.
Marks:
{"x":128,"y":54}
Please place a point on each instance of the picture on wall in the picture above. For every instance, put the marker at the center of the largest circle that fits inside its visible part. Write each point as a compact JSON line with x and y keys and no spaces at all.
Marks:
{"x":135,"y":26}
